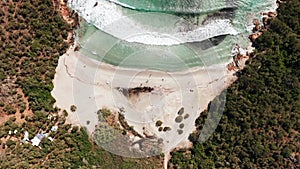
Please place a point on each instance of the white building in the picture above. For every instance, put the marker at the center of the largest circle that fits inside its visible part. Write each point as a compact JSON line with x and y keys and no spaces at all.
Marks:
{"x":26,"y":137}
{"x":37,"y":139}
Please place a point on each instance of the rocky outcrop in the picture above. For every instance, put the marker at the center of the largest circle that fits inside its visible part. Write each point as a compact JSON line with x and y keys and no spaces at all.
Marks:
{"x":257,"y":25}
{"x":239,"y":59}
{"x":254,"y":36}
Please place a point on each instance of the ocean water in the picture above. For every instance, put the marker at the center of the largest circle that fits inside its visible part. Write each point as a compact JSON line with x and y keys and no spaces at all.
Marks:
{"x":178,"y":6}
{"x":165,"y":35}
{"x":192,"y":6}
{"x":104,"y":47}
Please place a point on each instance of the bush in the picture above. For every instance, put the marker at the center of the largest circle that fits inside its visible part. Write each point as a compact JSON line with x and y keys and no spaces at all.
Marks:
{"x":178,"y":119}
{"x":186,"y":116}
{"x":158,"y":123}
{"x":167,"y":129}
{"x":181,"y":111}
{"x":73,"y":108}
{"x":181,"y":125}
{"x":10,"y":143}
{"x":179,"y":131}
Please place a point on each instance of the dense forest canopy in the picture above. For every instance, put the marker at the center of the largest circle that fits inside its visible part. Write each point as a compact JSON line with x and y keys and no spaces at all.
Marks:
{"x":261,"y":122}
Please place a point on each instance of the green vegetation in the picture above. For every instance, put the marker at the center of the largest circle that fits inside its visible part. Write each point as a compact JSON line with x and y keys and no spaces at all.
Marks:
{"x":104,"y":133}
{"x":181,"y":111}
{"x":125,"y":125}
{"x":33,"y":36}
{"x":179,"y":131}
{"x":186,"y":116}
{"x":158,"y":123}
{"x":104,"y":112}
{"x":167,"y":129}
{"x":178,"y":119}
{"x":73,"y":108}
{"x":261,"y":121}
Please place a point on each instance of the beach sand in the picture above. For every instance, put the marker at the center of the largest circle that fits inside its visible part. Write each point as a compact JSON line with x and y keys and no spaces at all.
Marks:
{"x":91,"y":85}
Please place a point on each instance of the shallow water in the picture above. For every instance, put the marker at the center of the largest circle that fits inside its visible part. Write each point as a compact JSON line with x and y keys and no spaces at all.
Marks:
{"x":192,"y":6}
{"x":178,"y":6}
{"x":102,"y":46}
{"x":114,"y":33}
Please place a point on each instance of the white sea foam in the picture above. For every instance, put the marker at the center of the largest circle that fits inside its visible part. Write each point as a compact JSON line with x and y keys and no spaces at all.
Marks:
{"x":110,"y":18}
{"x":122,"y":4}
{"x":101,"y":15}
{"x":215,"y":28}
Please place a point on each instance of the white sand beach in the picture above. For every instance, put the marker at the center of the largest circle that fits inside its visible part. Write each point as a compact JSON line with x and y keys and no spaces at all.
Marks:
{"x":91,"y":85}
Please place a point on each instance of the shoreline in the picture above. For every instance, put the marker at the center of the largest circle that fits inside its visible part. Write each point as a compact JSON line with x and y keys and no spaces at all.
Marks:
{"x":69,"y":76}
{"x":77,"y":75}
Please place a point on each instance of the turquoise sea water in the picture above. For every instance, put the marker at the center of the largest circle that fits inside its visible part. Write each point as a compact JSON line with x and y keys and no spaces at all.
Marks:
{"x":178,"y":6}
{"x":98,"y":44}
{"x":104,"y":47}
{"x":192,"y":6}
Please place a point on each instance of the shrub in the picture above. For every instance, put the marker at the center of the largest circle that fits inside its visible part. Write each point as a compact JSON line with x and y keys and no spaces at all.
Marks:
{"x":181,"y":125}
{"x":178,"y":119}
{"x":73,"y":108}
{"x":158,"y":123}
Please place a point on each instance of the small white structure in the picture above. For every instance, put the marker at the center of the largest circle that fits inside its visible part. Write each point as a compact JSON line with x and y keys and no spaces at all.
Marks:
{"x":54,"y":128}
{"x":50,"y":138}
{"x":26,"y":137}
{"x":49,"y":116}
{"x":37,"y":139}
